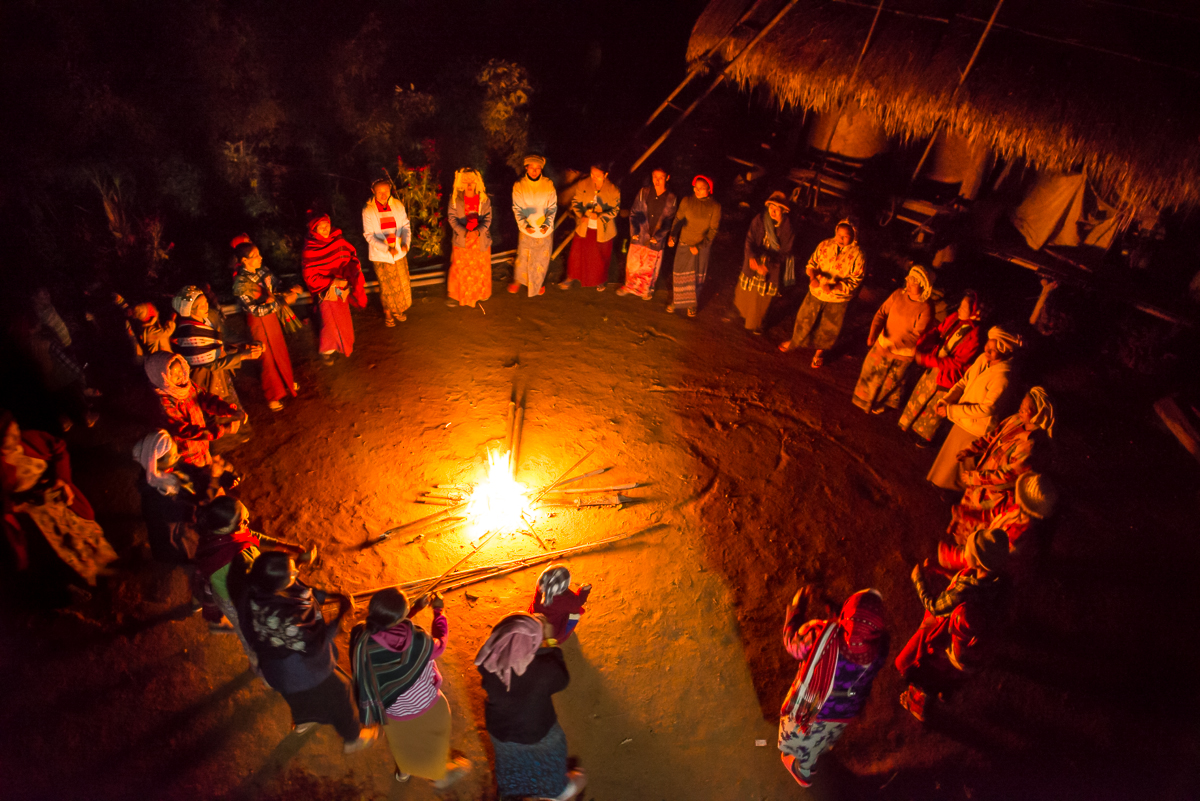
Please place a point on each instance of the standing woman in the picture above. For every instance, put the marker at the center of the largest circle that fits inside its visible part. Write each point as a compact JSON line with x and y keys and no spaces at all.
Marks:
{"x":596,"y":204}
{"x":768,"y":245}
{"x":649,"y":228}
{"x":334,"y":277}
{"x":399,"y":685}
{"x":898,"y":325}
{"x":520,"y":677}
{"x":838,"y":663}
{"x":388,"y":233}
{"x":972,"y":405}
{"x":281,"y":618}
{"x":695,"y":228}
{"x":470,"y":218}
{"x":946,"y":351}
{"x":267,"y":313}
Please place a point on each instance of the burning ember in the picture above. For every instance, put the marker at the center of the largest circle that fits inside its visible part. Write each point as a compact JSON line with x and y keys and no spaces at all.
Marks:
{"x":498,"y":502}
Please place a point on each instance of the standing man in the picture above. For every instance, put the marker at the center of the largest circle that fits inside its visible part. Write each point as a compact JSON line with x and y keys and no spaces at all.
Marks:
{"x":535,"y":203}
{"x":694,"y":229}
{"x":388,"y":233}
{"x":835,"y":272}
{"x":649,"y":228}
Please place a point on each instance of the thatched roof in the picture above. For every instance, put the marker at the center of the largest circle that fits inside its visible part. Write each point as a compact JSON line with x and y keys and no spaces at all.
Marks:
{"x":1112,"y":85}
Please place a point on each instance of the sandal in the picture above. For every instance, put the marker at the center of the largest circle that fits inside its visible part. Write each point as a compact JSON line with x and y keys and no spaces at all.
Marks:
{"x":785,"y":346}
{"x":670,"y":308}
{"x":818,"y":362}
{"x":389,"y":321}
{"x":789,"y":762}
{"x":692,"y":312}
{"x":601,"y":288}
{"x":402,"y":317}
{"x":513,"y":288}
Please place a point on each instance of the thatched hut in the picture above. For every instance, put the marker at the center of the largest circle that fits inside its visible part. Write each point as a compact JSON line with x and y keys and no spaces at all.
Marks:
{"x":1109,"y":86}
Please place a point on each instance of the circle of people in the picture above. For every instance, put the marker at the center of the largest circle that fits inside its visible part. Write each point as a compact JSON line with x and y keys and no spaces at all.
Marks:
{"x":247,"y":583}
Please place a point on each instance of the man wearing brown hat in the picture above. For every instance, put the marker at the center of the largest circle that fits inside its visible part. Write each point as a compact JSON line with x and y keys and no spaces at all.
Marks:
{"x":766,"y":251}
{"x":535,"y":204}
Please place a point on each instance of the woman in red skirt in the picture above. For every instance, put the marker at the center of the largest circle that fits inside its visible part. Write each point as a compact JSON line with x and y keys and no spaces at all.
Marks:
{"x":267,"y":313}
{"x":334,"y":277}
{"x":596,"y":203}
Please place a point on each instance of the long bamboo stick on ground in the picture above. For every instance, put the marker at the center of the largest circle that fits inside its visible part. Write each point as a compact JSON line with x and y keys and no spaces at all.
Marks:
{"x":424,"y":521}
{"x":614,"y":488}
{"x":580,"y":478}
{"x":515,"y":452}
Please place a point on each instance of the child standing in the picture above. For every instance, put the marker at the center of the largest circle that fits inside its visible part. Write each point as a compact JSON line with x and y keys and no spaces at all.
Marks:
{"x":561,"y":605}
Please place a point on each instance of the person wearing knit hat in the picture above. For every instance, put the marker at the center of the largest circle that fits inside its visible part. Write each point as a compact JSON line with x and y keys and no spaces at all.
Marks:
{"x":973,"y":405}
{"x":897,"y":327}
{"x":765,"y":254}
{"x":945,"y":351}
{"x":153,"y":335}
{"x":951,"y":640}
{"x":535,"y":205}
{"x":558,"y":603}
{"x":695,"y":227}
{"x":1018,"y":513}
{"x":197,"y":339}
{"x":1000,"y":457}
{"x":835,"y":270}
{"x":839,"y":660}
{"x":650,"y":221}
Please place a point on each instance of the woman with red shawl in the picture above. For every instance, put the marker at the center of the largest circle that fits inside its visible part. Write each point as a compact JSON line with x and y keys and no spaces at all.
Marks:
{"x":268,"y":312}
{"x":334,"y":277}
{"x":41,"y":504}
{"x":838,"y":662}
{"x":190,"y":413}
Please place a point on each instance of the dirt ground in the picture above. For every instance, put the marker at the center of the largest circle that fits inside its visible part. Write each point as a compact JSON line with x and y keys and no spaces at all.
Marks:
{"x":763,"y":475}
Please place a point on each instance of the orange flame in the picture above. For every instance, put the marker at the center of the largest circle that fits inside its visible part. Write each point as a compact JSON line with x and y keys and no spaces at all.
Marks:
{"x":499,"y":502}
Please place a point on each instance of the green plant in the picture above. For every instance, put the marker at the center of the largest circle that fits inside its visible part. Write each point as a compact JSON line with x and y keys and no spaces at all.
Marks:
{"x":421,"y":195}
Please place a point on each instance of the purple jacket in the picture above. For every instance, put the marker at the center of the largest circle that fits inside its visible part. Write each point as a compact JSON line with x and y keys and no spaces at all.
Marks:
{"x":851,"y":681}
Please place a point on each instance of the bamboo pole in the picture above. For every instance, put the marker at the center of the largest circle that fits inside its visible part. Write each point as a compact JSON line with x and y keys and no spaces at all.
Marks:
{"x":514,"y":453}
{"x":424,"y":521}
{"x":954,"y":95}
{"x":716,"y":82}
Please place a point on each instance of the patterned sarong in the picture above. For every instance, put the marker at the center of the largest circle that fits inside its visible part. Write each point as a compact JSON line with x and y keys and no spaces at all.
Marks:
{"x":79,"y":542}
{"x":690,"y":272}
{"x":918,"y":413}
{"x":394,"y":289}
{"x":881,"y":380}
{"x":641,"y":270}
{"x":538,"y":770}
{"x":470,"y":278}
{"x":533,"y":262}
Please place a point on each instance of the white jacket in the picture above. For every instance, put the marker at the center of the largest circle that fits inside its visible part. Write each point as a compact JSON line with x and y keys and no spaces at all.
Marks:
{"x":974,"y":402}
{"x":377,"y":245}
{"x":535,"y":203}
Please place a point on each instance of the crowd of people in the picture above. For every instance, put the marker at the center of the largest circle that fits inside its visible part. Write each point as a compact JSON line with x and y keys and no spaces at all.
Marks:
{"x":247,"y":584}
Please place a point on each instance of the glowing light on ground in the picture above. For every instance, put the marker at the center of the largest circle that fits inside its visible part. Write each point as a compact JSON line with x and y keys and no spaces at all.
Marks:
{"x":498,"y":502}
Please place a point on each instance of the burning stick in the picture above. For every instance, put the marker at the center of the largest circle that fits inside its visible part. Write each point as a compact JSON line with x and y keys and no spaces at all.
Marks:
{"x":613,"y":488}
{"x":515,"y":449}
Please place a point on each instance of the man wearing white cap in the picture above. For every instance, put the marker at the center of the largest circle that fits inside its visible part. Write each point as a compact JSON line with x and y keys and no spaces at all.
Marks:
{"x":535,"y":203}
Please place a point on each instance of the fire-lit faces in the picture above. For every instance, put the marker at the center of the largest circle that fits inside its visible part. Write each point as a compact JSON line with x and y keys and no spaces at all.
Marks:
{"x":253,"y":260}
{"x":701,"y":190}
{"x":992,"y":351}
{"x":177,"y":373}
{"x":913,"y":287}
{"x":598,"y":176}
{"x":199,"y":308}
{"x":658,"y":179}
{"x":324,"y":227}
{"x":844,"y":235}
{"x":964,"y":309}
{"x":1028,"y":410}
{"x":470,"y":183}
{"x":776,"y":212}
{"x":383,"y":193}
{"x":533,"y":171}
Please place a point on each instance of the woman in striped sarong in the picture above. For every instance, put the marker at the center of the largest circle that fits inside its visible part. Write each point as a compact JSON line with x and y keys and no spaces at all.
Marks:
{"x":695,"y":228}
{"x":399,"y":685}
{"x":334,"y":277}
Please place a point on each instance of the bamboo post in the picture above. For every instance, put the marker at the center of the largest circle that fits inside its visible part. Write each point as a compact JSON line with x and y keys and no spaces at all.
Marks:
{"x":954,"y":95}
{"x":508,"y":430}
{"x":716,"y":82}
{"x":842,"y":108}
{"x":515,"y":451}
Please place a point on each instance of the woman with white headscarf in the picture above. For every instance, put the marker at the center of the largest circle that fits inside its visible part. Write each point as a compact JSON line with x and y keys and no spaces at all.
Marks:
{"x":900,"y":322}
{"x":972,"y":405}
{"x":520,"y":675}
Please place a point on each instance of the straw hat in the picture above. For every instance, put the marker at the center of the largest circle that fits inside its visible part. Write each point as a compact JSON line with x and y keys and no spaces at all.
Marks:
{"x":1036,"y":495}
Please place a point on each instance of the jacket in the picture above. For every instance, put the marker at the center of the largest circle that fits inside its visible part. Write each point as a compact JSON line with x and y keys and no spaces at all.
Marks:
{"x":606,"y":200}
{"x":952,"y":362}
{"x":456,"y":215}
{"x":524,"y":712}
{"x":841,"y":266}
{"x":756,"y":247}
{"x":696,"y":222}
{"x":535,"y":203}
{"x":639,"y":221}
{"x":377,"y":236}
{"x":977,"y":398}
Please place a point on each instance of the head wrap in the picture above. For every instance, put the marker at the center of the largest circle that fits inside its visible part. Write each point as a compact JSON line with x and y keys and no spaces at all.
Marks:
{"x":145,"y":312}
{"x":1044,"y":416}
{"x":779,"y":199}
{"x":511,"y":646}
{"x":554,"y":581}
{"x":1036,"y":495}
{"x":845,"y":223}
{"x":240,"y":239}
{"x":862,"y":625}
{"x":25,"y":469}
{"x":973,"y":303}
{"x":918,"y":272}
{"x":184,"y":299}
{"x":987,"y":549}
{"x":1005,"y":342}
{"x":533,"y":158}
{"x":147,"y":452}
{"x":158,"y":366}
{"x":706,"y":180}
{"x":314,"y":220}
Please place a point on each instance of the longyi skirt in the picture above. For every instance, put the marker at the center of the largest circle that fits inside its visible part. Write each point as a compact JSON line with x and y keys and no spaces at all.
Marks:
{"x":538,"y":770}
